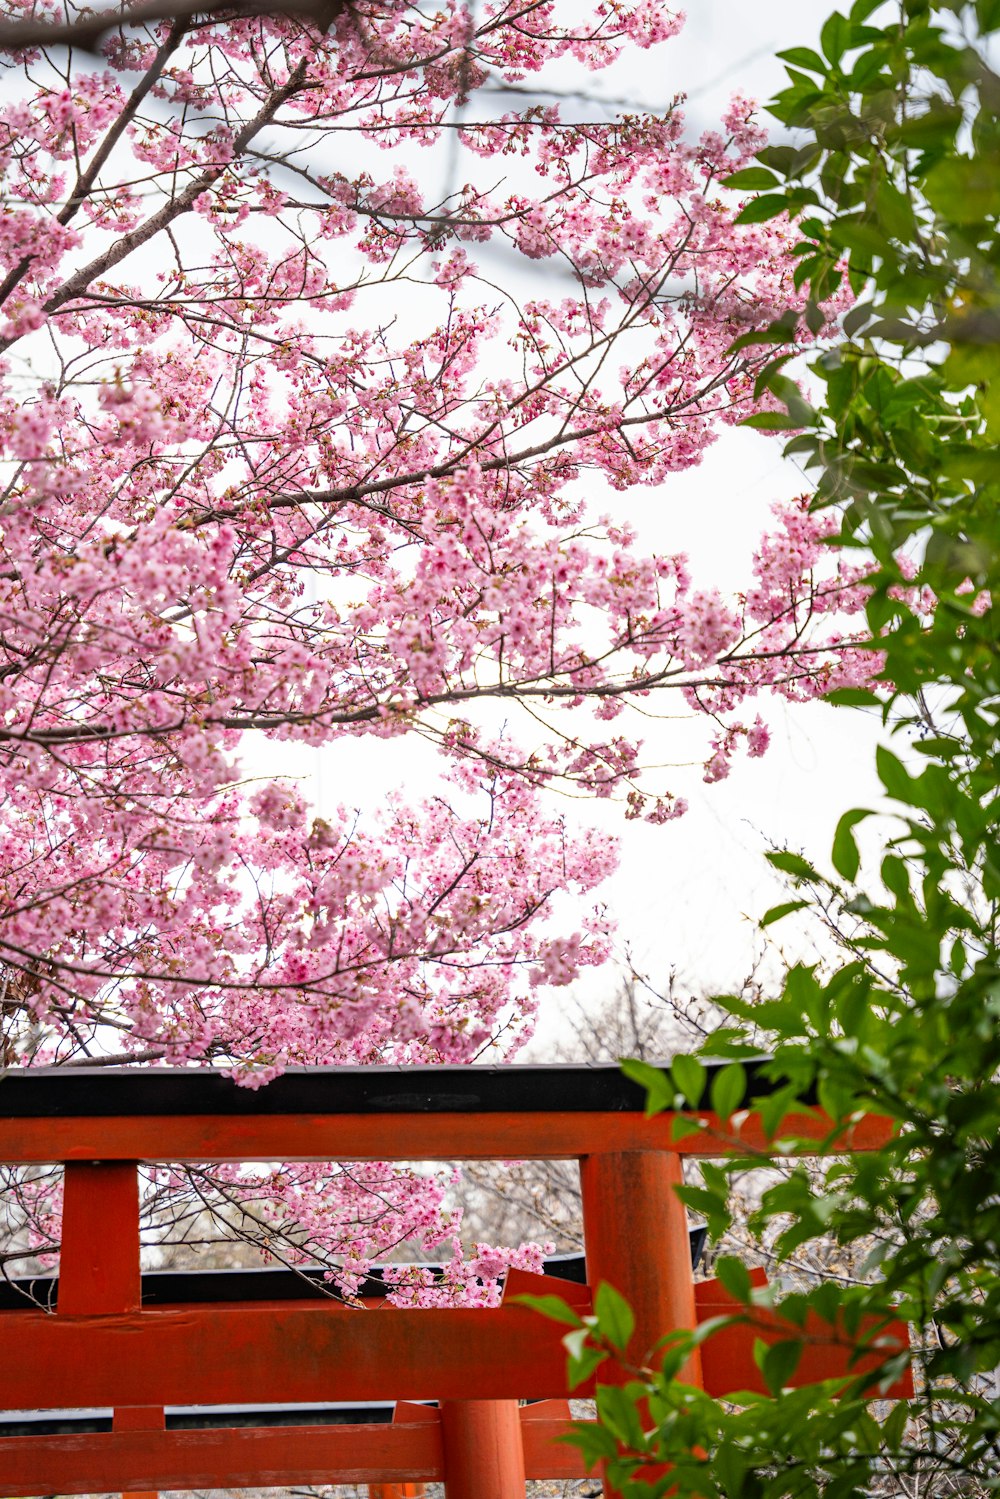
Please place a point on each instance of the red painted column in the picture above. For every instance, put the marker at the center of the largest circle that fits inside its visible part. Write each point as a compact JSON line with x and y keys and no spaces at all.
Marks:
{"x":99,"y":1269}
{"x":483,"y":1449}
{"x":99,"y":1256}
{"x":636,"y":1239}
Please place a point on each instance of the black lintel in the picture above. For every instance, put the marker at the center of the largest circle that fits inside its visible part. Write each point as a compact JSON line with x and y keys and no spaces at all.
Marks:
{"x":219,"y":1287}
{"x":45,"y":1423}
{"x":113,"y":1092}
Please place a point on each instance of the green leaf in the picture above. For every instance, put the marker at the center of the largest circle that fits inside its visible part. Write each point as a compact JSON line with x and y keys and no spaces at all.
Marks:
{"x":772,"y":421}
{"x":779,"y":1363}
{"x":774,"y":1108}
{"x":935,"y":128}
{"x":804,"y":57}
{"x":732,"y":1467}
{"x":615,"y":1320}
{"x":895,"y":210}
{"x":776,"y":913}
{"x":845,"y":856}
{"x":856,"y":317}
{"x":552,"y":1307}
{"x":789,"y":160}
{"x":734,"y":1277}
{"x":758,"y":336}
{"x":759,"y":210}
{"x":894,"y":1426}
{"x":853,"y":697}
{"x":856,"y":234}
{"x":792,"y":864}
{"x":896,"y":878}
{"x":617,"y":1409}
{"x":689,"y":1078}
{"x":764,"y":377}
{"x":964,"y":190}
{"x":892,"y":774}
{"x":815,"y":318}
{"x":978,"y":465}
{"x":593,"y":1441}
{"x":582,"y":1362}
{"x":751,"y":177}
{"x":707,"y":1202}
{"x":835,"y":37}
{"x":728,"y":1090}
{"x":659,"y":1092}
{"x":781,"y":331}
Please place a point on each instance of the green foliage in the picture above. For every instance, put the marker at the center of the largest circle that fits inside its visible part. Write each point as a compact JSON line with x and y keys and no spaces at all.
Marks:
{"x":894,"y":175}
{"x":614,"y":1317}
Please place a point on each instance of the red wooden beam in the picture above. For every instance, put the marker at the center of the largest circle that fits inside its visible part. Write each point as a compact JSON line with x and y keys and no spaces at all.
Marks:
{"x":268,"y":1353}
{"x":406,"y":1453}
{"x":252,"y":1353}
{"x":96,"y":1462}
{"x":828,"y":1352}
{"x":417,"y":1136}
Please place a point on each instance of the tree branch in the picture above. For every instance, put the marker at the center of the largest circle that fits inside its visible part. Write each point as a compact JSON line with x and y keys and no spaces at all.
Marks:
{"x":87,"y":30}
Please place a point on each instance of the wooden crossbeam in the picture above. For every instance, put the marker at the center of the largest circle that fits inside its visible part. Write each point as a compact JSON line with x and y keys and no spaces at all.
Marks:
{"x":269,"y":1353}
{"x":828,"y":1352}
{"x":411,"y":1137}
{"x":372,"y":1113}
{"x":409,"y":1450}
{"x":96,"y":1462}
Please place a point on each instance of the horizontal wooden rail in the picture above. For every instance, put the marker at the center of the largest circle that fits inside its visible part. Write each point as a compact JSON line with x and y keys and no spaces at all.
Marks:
{"x":273,"y":1354}
{"x":239,"y":1458}
{"x":373,"y":1113}
{"x":410,"y":1137}
{"x":257,"y":1458}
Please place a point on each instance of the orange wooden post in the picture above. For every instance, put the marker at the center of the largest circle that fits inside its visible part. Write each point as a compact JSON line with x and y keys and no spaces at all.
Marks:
{"x":406,"y":1413}
{"x":99,"y":1268}
{"x":483,"y":1449}
{"x":636,"y":1239}
{"x":139,"y":1418}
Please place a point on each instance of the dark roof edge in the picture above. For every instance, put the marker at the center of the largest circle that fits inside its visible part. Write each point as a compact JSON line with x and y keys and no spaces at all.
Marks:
{"x":113,"y":1092}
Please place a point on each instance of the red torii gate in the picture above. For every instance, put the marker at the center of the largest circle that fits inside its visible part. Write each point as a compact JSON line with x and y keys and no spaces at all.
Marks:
{"x":101,"y":1347}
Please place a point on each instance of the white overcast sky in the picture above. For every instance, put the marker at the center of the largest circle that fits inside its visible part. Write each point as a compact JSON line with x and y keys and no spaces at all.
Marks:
{"x":687,"y":896}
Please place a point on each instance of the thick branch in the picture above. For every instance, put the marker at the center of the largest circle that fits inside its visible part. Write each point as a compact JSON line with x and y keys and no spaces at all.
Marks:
{"x":86,"y":31}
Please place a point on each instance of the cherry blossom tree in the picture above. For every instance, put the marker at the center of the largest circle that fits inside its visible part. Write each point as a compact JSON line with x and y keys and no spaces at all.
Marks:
{"x":289,"y":455}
